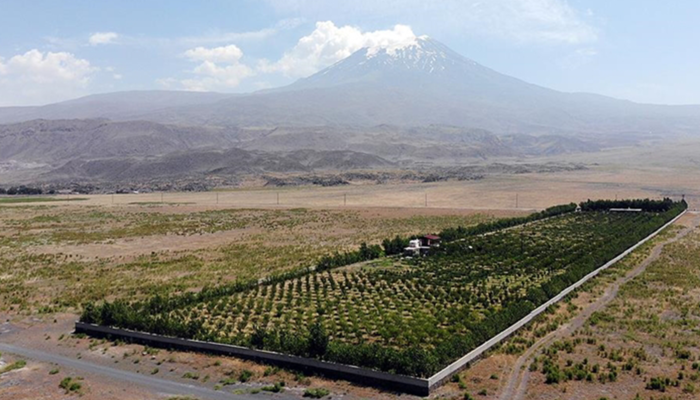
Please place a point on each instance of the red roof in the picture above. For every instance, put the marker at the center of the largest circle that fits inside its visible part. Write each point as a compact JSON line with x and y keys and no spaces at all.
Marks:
{"x":432,"y":237}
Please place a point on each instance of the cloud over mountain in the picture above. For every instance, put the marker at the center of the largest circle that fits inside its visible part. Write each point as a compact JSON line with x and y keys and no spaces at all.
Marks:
{"x":219,"y":68}
{"x":328,"y":44}
{"x":37,"y":76}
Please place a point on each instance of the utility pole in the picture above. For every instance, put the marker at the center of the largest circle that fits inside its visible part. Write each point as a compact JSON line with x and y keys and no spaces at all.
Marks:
{"x":426,"y":199}
{"x":217,"y":197}
{"x":345,"y":199}
{"x":278,"y":198}
{"x":516,"y":200}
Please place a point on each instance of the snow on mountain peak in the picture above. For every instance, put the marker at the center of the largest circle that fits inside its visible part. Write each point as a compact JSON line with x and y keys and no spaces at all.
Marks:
{"x":396,"y":61}
{"x":412,"y":48}
{"x":414,"y":53}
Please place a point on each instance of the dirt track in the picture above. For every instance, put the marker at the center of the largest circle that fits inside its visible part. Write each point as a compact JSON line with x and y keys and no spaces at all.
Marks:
{"x":154,"y":385}
{"x":517,"y":382}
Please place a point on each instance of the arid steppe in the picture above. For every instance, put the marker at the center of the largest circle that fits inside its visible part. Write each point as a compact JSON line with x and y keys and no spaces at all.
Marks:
{"x":57,"y":255}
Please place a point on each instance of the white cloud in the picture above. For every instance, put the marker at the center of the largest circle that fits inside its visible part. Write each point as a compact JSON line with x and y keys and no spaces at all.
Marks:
{"x":224,"y":54}
{"x":226,"y":37}
{"x":549,"y":21}
{"x":209,"y":38}
{"x":219,"y":69}
{"x":113,"y":71}
{"x":329,"y":43}
{"x":38,"y":78}
{"x":35,"y":66}
{"x":527,"y":21}
{"x":212,"y":76}
{"x":218,"y":37}
{"x":102,"y":38}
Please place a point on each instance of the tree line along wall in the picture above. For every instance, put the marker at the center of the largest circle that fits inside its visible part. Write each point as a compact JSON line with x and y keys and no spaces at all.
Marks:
{"x":497,"y":302}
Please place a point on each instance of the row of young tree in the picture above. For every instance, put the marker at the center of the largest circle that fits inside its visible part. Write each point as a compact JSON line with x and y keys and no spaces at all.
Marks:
{"x":461,"y":232}
{"x":643,"y":204}
{"x":576,"y":259}
{"x":364,"y":253}
{"x":589,"y":261}
{"x":415,"y":360}
{"x":398,"y":243}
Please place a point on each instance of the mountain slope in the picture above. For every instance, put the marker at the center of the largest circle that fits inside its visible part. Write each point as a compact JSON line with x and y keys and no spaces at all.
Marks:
{"x":193,"y":163}
{"x":117,"y":106}
{"x":51,"y":141}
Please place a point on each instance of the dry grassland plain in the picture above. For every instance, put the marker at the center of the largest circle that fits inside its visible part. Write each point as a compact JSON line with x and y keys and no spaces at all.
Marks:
{"x":55,"y":256}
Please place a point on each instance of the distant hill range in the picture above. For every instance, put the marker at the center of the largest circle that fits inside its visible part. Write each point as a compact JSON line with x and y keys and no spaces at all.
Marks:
{"x":422,"y":103}
{"x":106,"y":150}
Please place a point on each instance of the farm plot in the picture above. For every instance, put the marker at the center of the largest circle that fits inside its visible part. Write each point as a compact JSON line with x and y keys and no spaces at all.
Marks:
{"x":411,"y":316}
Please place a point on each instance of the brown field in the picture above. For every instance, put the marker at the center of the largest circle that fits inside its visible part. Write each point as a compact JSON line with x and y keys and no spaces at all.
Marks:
{"x":533,"y":191}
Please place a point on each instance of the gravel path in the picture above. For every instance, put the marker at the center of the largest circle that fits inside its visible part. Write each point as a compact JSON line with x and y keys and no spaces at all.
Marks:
{"x":149,"y":383}
{"x":516,"y":385}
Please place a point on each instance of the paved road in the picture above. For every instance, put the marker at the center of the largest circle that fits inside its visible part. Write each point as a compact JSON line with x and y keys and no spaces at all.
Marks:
{"x":152,"y":384}
{"x":517,"y":383}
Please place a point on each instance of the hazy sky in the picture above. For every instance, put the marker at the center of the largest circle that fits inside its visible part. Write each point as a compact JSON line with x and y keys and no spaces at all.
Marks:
{"x":642,"y":50}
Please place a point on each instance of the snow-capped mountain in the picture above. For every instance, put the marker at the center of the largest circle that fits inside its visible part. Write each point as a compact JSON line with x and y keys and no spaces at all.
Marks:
{"x":422,"y":60}
{"x":416,"y":82}
{"x":423,"y":56}
{"x":434,"y":81}
{"x":425,"y":82}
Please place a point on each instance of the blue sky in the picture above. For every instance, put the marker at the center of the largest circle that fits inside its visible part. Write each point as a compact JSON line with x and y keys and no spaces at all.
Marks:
{"x":641,"y":50}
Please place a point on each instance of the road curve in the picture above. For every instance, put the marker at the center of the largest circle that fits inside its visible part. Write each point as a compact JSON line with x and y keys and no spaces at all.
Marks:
{"x":153,"y":384}
{"x":516,"y":385}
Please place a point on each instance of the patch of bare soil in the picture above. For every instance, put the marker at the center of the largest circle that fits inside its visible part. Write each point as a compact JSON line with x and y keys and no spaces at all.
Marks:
{"x":130,"y":248}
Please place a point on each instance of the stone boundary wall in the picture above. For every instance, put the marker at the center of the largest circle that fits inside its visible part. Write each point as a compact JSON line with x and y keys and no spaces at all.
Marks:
{"x":364,"y":376}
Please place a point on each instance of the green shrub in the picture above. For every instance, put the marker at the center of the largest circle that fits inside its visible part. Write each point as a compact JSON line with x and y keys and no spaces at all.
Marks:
{"x":276,"y":388}
{"x":15,"y":365}
{"x":316,"y":393}
{"x":191,"y":375}
{"x":70,"y":385}
{"x":245,"y":375}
